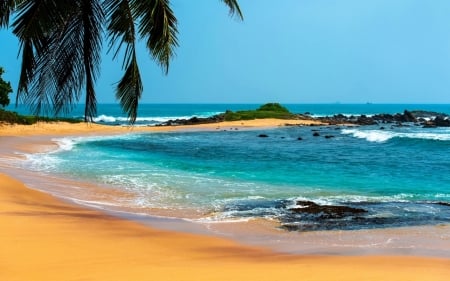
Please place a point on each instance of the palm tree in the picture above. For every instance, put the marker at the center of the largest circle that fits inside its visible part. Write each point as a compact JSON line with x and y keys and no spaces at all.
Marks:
{"x":61,"y":43}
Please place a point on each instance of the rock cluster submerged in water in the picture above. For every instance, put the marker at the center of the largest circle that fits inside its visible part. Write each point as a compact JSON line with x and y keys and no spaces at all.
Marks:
{"x":422,"y":118}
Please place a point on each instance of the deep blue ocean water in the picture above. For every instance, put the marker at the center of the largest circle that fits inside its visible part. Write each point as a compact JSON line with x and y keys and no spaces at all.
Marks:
{"x":399,"y":176}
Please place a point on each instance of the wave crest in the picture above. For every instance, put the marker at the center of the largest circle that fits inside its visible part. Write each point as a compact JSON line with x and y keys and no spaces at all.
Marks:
{"x":150,"y":119}
{"x":383,"y":136}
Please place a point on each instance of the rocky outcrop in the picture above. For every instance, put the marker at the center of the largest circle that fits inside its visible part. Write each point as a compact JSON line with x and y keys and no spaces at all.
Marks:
{"x":364,"y":120}
{"x":325,"y":211}
{"x":441,"y":122}
{"x":424,"y":118}
{"x":443,"y":204}
{"x":194,"y":121}
{"x":418,"y":117}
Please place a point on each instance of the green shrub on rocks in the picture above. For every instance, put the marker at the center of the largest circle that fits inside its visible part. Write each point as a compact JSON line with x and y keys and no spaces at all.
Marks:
{"x":269,"y":110}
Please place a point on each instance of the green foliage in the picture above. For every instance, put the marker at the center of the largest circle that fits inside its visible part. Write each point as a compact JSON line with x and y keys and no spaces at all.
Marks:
{"x":275,"y":107}
{"x":15,"y":118}
{"x":5,"y":90}
{"x":269,"y":110}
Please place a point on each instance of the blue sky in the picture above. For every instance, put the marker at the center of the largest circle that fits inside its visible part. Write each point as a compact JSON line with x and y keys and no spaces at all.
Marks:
{"x":294,"y":51}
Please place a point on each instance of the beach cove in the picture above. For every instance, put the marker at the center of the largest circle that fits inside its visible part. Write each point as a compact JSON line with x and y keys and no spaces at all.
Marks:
{"x":108,"y":240}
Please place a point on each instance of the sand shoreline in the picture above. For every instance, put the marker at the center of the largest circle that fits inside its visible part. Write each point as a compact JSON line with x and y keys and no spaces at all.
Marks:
{"x":36,"y":222}
{"x":63,"y":128}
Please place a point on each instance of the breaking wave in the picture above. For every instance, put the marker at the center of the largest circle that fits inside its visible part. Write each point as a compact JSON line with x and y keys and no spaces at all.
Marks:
{"x":149,"y":119}
{"x":383,"y":136}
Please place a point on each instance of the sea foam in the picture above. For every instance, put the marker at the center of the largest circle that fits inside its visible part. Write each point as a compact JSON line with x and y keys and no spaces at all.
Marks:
{"x":383,"y":136}
{"x":150,"y":119}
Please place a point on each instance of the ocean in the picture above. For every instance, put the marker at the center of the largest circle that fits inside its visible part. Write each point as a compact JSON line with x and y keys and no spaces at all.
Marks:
{"x":391,"y":177}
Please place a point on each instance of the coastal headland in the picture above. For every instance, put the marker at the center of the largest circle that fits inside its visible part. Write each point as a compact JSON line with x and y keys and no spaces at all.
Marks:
{"x":44,"y":238}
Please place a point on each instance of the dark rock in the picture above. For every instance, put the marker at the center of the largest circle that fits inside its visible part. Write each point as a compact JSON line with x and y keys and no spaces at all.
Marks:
{"x":441,"y":122}
{"x":263,"y":136}
{"x":364,"y":120}
{"x":383,"y":118}
{"x":382,"y":128}
{"x":421,"y":114}
{"x":299,"y":138}
{"x":194,"y":121}
{"x":339,"y":116}
{"x":325,"y":211}
{"x":443,"y":204}
{"x":437,"y":122}
{"x":408,"y":117}
{"x":316,"y":134}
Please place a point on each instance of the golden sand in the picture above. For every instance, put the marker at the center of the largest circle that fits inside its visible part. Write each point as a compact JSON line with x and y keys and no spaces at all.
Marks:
{"x":63,"y":128}
{"x":42,"y":238}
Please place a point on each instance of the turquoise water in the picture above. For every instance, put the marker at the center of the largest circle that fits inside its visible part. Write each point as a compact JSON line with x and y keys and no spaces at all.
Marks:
{"x":398,"y":175}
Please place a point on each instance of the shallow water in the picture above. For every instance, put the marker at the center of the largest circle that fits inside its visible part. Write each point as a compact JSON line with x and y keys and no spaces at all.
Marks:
{"x":398,"y":176}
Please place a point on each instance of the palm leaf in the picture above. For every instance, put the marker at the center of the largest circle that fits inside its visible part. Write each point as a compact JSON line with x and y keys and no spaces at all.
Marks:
{"x":7,"y":7}
{"x":234,"y":8}
{"x":158,"y":26}
{"x":129,"y":89}
{"x":26,"y":29}
{"x":92,"y":18}
{"x":121,"y":28}
{"x":27,"y":69}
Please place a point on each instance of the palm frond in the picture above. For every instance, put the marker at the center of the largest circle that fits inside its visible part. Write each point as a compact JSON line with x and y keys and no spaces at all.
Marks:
{"x":26,"y":29}
{"x":68,"y":69}
{"x":38,"y":97}
{"x":234,"y":8}
{"x":50,"y":35}
{"x":7,"y":7}
{"x":158,"y":26}
{"x":63,"y":39}
{"x":121,"y":28}
{"x":129,"y":89}
{"x":92,"y":18}
{"x":27,"y":69}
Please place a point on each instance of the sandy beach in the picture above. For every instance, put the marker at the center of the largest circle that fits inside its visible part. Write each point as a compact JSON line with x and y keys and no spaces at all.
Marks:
{"x":62,"y":128}
{"x":44,"y":238}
